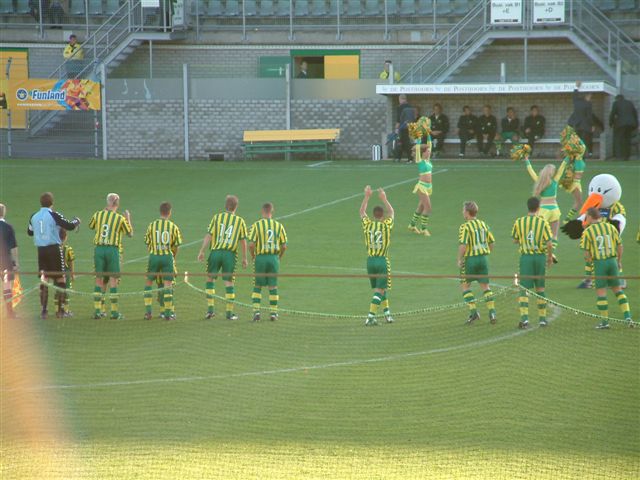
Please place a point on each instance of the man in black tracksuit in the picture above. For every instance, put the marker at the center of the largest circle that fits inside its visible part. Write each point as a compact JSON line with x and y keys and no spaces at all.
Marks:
{"x":439,"y":129}
{"x":406,"y":115}
{"x":487,"y":126}
{"x":534,"y":126}
{"x":624,"y":120}
{"x":467,"y":129}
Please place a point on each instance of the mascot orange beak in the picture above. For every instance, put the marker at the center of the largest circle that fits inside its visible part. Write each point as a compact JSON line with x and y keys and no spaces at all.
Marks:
{"x":593,"y":201}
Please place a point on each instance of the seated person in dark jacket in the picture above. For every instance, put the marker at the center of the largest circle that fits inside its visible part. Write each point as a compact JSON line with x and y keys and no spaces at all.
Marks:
{"x":439,"y":129}
{"x":467,"y":129}
{"x":534,"y":126}
{"x":510,"y":130}
{"x":487,"y":126}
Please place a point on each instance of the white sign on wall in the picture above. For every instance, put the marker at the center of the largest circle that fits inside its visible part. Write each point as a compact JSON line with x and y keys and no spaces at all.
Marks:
{"x":506,"y":12}
{"x":150,"y":3}
{"x":491,"y":88}
{"x":548,"y":11}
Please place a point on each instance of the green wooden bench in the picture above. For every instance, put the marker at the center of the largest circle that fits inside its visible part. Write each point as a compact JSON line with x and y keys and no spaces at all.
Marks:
{"x":256,"y":142}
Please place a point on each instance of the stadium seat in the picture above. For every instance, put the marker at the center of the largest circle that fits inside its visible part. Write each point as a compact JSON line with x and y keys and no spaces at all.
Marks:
{"x":6,"y":6}
{"x":77,"y":7}
{"x":371,"y":8}
{"x":266,"y":8}
{"x":462,"y":7}
{"x":282,"y":8}
{"x":407,"y":7}
{"x":301,"y":8}
{"x":444,"y":7}
{"x":232,"y":8}
{"x":319,"y":8}
{"x":425,"y":7}
{"x":627,"y":5}
{"x":95,"y":7}
{"x":111,"y":6}
{"x":354,"y":7}
{"x":250,"y":8}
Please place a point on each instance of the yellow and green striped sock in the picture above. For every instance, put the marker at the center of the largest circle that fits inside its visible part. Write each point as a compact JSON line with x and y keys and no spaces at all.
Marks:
{"x":113,"y":294}
{"x":489,"y":300}
{"x":424,"y":219}
{"x":375,"y":303}
{"x":211,"y":301}
{"x":523,"y":300}
{"x":470,"y":299}
{"x":603,"y":306}
{"x":542,"y":306}
{"x":148,"y":299}
{"x":256,"y":298}
{"x":230,"y":297}
{"x":168,"y":301}
{"x":273,"y":300}
{"x":385,"y":305}
{"x":623,"y":303}
{"x":415,"y":220}
{"x":570,"y":215}
{"x":98,"y":299}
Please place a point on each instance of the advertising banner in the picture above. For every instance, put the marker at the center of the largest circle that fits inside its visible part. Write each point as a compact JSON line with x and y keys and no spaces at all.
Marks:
{"x":548,"y":11}
{"x":52,"y":94}
{"x":506,"y":12}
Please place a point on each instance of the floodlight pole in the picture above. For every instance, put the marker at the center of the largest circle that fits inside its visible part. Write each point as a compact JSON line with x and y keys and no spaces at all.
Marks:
{"x":9,"y":148}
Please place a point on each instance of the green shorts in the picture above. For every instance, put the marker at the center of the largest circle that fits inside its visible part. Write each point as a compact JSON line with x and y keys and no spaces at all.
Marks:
{"x":504,"y":136}
{"x":379,"y":266}
{"x":475,"y":265}
{"x":533,"y":264}
{"x":160,"y":264}
{"x":222,"y":260}
{"x":106,"y":258}
{"x":606,"y":268}
{"x":266,"y":264}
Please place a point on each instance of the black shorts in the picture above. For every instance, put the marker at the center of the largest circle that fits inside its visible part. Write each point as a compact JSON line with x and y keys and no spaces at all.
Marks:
{"x":51,"y":259}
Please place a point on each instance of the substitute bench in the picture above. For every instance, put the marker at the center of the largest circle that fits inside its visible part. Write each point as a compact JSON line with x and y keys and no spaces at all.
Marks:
{"x":257,"y":142}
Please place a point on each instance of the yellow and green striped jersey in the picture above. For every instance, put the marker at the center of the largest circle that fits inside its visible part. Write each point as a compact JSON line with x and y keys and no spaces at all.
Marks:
{"x":617,"y":209}
{"x":532,"y":233}
{"x":69,"y":255}
{"x":601,"y":240}
{"x":377,"y":236}
{"x":227,"y":230}
{"x":268,"y":235}
{"x":475,"y":234}
{"x":109,"y":227}
{"x":162,"y":237}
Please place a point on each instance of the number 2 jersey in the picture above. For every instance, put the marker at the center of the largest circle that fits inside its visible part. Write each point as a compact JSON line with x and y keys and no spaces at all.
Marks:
{"x":268,"y":235}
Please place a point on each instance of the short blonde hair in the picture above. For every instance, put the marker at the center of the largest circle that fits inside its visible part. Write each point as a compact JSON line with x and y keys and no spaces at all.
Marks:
{"x":113,"y":199}
{"x":3,"y":210}
{"x":471,"y":208}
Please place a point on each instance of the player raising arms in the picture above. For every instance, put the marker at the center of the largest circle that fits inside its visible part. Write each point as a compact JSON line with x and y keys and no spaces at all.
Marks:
{"x":377,"y":238}
{"x":109,"y":226}
{"x":163,"y":237}
{"x":226,"y":230}
{"x":421,"y":132}
{"x":267,"y":244}
{"x":602,"y":245}
{"x":546,"y":189}
{"x":476,"y":244}
{"x":533,"y":235}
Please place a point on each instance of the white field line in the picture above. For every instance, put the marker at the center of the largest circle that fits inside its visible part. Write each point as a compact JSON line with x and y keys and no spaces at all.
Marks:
{"x":279,"y":371}
{"x":319,"y":164}
{"x":301,"y":212}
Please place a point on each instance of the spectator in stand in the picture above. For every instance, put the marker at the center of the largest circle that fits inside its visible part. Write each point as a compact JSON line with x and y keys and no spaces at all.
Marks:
{"x":510,"y":126}
{"x":34,"y":9}
{"x":467,"y":129}
{"x":624,"y":120}
{"x":534,"y":126}
{"x":56,"y":14}
{"x":487,"y":126}
{"x":406,"y":115}
{"x":74,"y":55}
{"x":303,"y":70}
{"x":384,"y":75}
{"x":582,"y":118}
{"x":439,"y":130}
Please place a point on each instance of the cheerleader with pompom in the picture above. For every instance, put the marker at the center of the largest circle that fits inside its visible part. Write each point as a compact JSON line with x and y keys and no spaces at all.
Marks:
{"x":420,"y":131}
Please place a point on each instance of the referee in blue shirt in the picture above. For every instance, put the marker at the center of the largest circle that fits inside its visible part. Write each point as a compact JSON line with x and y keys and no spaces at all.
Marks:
{"x":44,"y":227}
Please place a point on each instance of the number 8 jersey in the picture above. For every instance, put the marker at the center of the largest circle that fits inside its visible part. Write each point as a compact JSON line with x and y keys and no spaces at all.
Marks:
{"x":109,"y":227}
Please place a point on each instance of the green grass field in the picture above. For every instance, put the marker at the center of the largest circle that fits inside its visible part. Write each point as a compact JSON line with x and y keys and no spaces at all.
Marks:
{"x":316,"y":396}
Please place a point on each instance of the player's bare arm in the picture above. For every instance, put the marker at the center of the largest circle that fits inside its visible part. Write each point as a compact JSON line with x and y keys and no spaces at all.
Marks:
{"x":365,"y":201}
{"x":205,"y":243}
{"x":245,"y":262}
{"x":462,"y":249}
{"x":389,"y":212}
{"x":549,"y":253}
{"x":127,"y":215}
{"x":252,"y":250}
{"x":283,"y":248}
{"x":620,"y":250}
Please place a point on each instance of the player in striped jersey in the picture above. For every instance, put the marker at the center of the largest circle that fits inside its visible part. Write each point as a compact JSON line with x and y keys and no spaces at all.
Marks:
{"x":69,"y":260}
{"x":533,"y":235}
{"x":377,"y":238}
{"x":602,"y":245}
{"x":109,"y":226}
{"x":226,"y":231}
{"x":475,"y":245}
{"x":267,"y":244}
{"x":163,"y":237}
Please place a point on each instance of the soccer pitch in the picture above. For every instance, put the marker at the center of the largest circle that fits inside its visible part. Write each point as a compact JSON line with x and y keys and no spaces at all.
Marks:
{"x":317,"y":395}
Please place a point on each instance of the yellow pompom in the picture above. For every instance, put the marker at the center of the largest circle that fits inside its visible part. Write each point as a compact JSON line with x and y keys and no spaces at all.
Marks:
{"x":520,"y":151}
